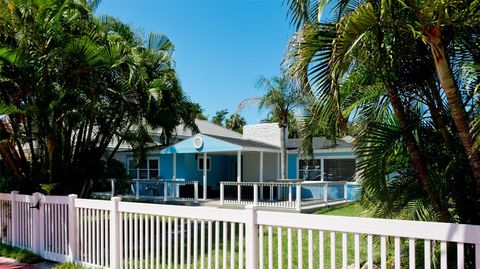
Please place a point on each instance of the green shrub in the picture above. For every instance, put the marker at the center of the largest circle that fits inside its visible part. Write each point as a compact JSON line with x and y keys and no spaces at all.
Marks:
{"x":18,"y":254}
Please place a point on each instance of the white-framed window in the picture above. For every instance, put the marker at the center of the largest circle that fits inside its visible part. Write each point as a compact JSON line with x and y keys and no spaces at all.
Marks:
{"x":310,"y":169}
{"x":200,"y":163}
{"x":148,"y":169}
{"x":339,"y":169}
{"x":332,"y":169}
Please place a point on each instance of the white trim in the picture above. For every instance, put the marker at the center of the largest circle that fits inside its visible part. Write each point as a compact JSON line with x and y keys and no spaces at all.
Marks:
{"x":148,"y":166}
{"x":239,"y":166}
{"x":255,"y":149}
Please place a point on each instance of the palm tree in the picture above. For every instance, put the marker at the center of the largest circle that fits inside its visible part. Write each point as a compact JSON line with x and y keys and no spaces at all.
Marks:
{"x":235,"y":122}
{"x":76,"y":83}
{"x":282,"y":97}
{"x":368,"y":38}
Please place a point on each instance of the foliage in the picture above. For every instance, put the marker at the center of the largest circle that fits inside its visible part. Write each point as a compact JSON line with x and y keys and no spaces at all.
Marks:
{"x":392,"y":73}
{"x":235,"y":122}
{"x":18,"y":254}
{"x":198,"y":110}
{"x":80,"y":87}
{"x":219,"y":117}
{"x":281,"y":98}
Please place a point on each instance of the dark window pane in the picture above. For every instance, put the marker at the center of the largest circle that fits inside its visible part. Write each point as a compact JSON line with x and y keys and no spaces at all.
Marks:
{"x":153,"y":164}
{"x":153,"y":173}
{"x":339,"y":169}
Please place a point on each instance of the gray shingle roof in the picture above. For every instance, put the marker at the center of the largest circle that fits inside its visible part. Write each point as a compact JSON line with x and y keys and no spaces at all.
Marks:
{"x":245,"y":142}
{"x":207,"y":128}
{"x":322,"y":143}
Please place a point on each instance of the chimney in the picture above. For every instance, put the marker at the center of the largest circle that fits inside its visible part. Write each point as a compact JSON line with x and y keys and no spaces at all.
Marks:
{"x":268,"y":133}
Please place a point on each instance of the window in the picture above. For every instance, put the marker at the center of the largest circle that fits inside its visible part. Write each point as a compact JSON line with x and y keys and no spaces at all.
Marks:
{"x":339,"y":169}
{"x":147,"y":169}
{"x":334,"y":169}
{"x":200,"y":163}
{"x":310,"y":169}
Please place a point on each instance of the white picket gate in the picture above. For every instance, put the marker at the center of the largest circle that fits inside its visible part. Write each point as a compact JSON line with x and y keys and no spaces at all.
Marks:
{"x":127,"y":235}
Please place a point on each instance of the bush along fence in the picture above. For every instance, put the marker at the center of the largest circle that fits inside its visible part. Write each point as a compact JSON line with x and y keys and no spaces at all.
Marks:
{"x":115,"y":234}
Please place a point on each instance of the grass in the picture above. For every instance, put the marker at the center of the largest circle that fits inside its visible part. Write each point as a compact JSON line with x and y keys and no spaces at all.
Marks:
{"x":68,"y":265}
{"x":348,"y":210}
{"x":21,"y":255}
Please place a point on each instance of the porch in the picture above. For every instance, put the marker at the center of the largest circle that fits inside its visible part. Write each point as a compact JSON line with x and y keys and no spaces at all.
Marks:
{"x":285,"y":195}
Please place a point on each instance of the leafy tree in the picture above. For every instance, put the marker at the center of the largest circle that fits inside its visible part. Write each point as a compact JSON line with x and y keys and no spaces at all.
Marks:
{"x":198,"y":110}
{"x":235,"y":122}
{"x":80,"y":86}
{"x":367,"y":67}
{"x":220,"y":117}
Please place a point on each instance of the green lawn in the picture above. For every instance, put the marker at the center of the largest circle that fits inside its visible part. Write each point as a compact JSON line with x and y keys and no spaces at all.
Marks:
{"x":349,"y":210}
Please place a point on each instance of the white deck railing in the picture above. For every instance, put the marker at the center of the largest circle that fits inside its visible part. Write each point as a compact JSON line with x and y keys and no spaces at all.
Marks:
{"x":154,"y":189}
{"x":283,"y":193}
{"x":115,"y":234}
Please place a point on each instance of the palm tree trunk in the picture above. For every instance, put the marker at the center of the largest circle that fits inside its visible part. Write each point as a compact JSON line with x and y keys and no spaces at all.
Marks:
{"x":454,"y":99}
{"x":283,"y":152}
{"x":415,"y":155}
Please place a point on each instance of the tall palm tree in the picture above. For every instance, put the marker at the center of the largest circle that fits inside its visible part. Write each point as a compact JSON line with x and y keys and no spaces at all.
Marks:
{"x":282,"y":97}
{"x":323,"y":55}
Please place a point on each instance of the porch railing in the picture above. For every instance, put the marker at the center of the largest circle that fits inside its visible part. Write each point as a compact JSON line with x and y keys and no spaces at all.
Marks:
{"x":166,"y":190}
{"x":121,"y":235}
{"x":284,"y":194}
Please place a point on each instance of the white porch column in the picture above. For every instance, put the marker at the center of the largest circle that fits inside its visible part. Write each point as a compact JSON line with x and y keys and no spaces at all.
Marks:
{"x":261,"y":175}
{"x":174,"y":166}
{"x":239,"y":174}
{"x":205,"y":175}
{"x":322,"y":169}
{"x":278,"y":166}
{"x":174,"y":177}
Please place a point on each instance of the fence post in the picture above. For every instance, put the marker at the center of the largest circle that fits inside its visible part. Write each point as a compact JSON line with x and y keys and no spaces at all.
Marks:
{"x":195,"y":191}
{"x":112,"y":187}
{"x":289,"y":193}
{"x":222,"y":192}
{"x":115,"y":234}
{"x":255,"y":194}
{"x":14,"y":217}
{"x":137,"y":191}
{"x":239,"y":193}
{"x":345,"y":192}
{"x":251,"y":237}
{"x":165,"y":191}
{"x":36,"y":231}
{"x":72,"y":229}
{"x":298,"y":197}
{"x":271,"y":192}
{"x":325,"y":193}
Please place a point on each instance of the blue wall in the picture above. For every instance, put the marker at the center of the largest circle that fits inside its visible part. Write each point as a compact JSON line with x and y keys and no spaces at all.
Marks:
{"x":334,"y":192}
{"x":222,"y":167}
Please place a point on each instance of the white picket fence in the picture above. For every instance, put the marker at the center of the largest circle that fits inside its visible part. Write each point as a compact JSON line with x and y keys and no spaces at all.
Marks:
{"x":115,"y":234}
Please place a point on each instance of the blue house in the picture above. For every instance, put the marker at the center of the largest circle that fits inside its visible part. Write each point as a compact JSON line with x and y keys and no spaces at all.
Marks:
{"x":219,"y":154}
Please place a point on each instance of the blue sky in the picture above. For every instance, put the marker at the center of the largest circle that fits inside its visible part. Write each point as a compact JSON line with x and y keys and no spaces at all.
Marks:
{"x":222,"y":46}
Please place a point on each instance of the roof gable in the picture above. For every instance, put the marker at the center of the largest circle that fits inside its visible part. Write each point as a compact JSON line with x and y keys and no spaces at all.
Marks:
{"x":210,"y":144}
